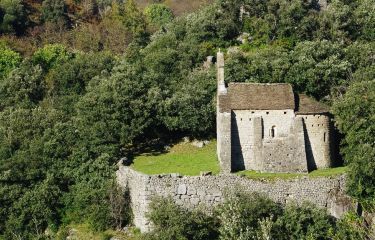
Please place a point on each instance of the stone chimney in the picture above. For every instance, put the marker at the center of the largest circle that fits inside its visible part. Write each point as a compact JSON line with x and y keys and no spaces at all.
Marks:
{"x":221,"y":89}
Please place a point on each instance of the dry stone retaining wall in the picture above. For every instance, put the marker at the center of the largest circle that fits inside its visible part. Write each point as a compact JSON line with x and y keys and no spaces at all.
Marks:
{"x":208,"y":190}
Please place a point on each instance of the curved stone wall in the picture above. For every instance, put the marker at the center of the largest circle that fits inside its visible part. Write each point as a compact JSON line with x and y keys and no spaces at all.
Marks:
{"x":208,"y":190}
{"x":318,"y":138}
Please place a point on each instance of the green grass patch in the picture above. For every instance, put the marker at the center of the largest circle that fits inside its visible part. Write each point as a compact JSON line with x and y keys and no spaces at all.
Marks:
{"x":186,"y":159}
{"x":329,"y":172}
{"x":183,"y":158}
{"x":269,"y":176}
{"x":84,"y":232}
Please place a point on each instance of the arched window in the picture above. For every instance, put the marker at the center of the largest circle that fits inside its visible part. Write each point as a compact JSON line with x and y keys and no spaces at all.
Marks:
{"x":273,"y":132}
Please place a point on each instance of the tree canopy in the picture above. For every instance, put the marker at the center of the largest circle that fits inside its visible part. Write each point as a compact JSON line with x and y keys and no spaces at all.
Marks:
{"x":78,"y":95}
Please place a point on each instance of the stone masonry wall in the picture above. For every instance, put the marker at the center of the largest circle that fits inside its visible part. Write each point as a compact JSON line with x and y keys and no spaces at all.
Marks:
{"x":318,"y":139}
{"x":224,"y":147}
{"x":253,"y":147}
{"x":285,"y":154}
{"x":191,"y":192}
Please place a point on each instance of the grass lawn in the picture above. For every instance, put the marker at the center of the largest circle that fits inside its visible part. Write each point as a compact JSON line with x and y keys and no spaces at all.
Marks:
{"x":272,"y":176}
{"x":182,"y":158}
{"x":187,"y":159}
{"x":84,"y":232}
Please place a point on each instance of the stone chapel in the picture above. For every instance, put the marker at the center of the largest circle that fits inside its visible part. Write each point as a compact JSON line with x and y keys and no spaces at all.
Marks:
{"x":268,"y":128}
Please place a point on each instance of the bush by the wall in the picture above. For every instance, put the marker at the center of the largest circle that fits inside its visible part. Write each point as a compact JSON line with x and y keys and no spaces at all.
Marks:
{"x":173,"y":222}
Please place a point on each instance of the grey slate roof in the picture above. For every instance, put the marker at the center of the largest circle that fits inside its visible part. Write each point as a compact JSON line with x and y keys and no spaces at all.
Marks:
{"x":261,"y":96}
{"x":268,"y":96}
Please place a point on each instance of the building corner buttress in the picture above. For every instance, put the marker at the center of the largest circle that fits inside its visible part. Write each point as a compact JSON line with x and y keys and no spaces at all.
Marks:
{"x":300,"y":156}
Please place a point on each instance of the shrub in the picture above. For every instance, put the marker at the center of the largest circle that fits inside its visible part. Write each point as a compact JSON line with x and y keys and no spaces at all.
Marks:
{"x":12,"y":16}
{"x":158,"y":14}
{"x":351,"y":227}
{"x":355,"y":117}
{"x":88,"y":199}
{"x":303,"y":222}
{"x":34,"y":211}
{"x":365,"y":19}
{"x":9,"y":60}
{"x":173,"y":222}
{"x":53,"y":11}
{"x":23,"y":86}
{"x":51,"y":55}
{"x":241,"y":215}
{"x":192,"y":104}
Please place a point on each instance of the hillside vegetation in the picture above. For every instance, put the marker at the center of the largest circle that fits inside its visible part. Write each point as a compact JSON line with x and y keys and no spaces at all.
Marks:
{"x":85,"y":83}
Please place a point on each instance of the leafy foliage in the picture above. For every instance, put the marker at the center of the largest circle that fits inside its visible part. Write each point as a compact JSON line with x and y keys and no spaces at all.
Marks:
{"x":247,"y":216}
{"x":364,"y":18}
{"x":67,"y":115}
{"x":53,"y":11}
{"x":239,"y":215}
{"x":306,"y":222}
{"x":191,"y":104}
{"x":51,"y":55}
{"x":174,"y":222}
{"x":355,"y":118}
{"x":9,"y":60}
{"x":12,"y":16}
{"x":158,"y":14}
{"x":23,"y":87}
{"x":314,"y":67}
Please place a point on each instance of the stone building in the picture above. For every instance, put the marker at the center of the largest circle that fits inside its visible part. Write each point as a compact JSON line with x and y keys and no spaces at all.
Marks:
{"x":269,"y":128}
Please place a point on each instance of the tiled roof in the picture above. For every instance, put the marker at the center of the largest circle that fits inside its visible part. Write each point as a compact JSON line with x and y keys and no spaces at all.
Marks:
{"x":271,"y":96}
{"x":268,"y":96}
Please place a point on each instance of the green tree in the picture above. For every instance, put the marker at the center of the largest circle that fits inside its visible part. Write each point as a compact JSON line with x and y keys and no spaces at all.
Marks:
{"x":240,"y":213}
{"x":114,"y":113}
{"x":9,"y":60}
{"x":72,"y":77}
{"x":303,"y":222}
{"x":355,"y":117}
{"x":88,"y":198}
{"x":317,"y":67}
{"x":336,"y":22}
{"x":12,"y":16}
{"x":174,"y":222}
{"x":34,"y":211}
{"x":297,"y":20}
{"x":158,"y":14}
{"x":51,"y":55}
{"x":24,"y":167}
{"x":54,"y":11}
{"x":191,"y":104}
{"x":134,"y":19}
{"x":23,"y":87}
{"x":365,"y":19}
